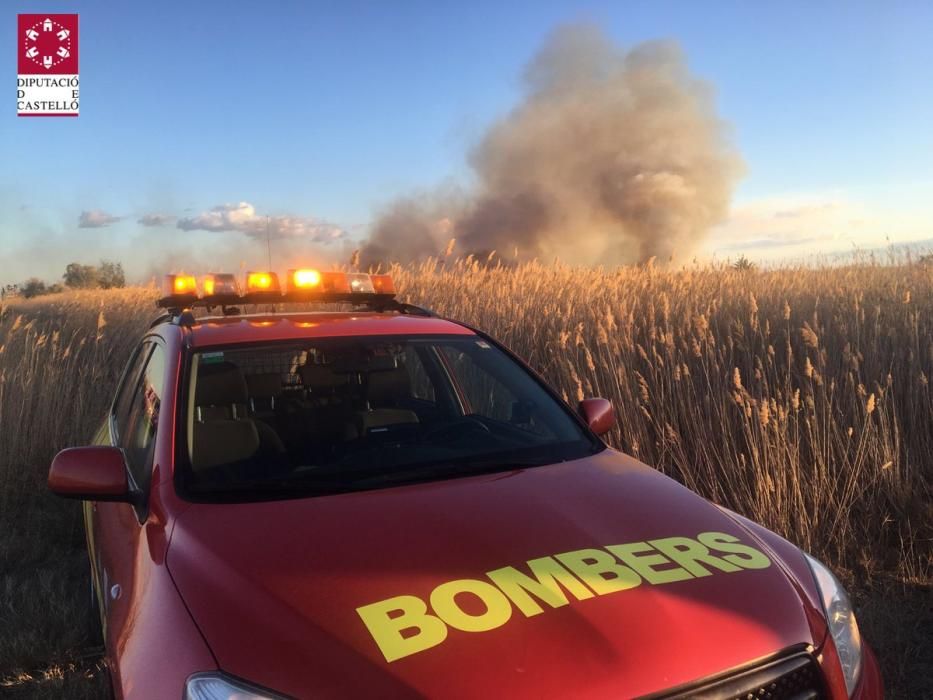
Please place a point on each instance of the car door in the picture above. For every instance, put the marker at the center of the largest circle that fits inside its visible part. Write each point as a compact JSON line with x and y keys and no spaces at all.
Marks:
{"x":121,"y":404}
{"x":118,"y":527}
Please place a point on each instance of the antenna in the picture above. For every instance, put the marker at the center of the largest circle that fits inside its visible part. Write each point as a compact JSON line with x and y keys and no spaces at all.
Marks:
{"x":268,"y":242}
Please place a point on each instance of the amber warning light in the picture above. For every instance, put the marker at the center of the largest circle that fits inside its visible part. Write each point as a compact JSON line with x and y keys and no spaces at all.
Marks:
{"x":179,"y":286}
{"x":383,"y":284}
{"x":303,"y":280}
{"x":304,"y":284}
{"x":263,"y":283}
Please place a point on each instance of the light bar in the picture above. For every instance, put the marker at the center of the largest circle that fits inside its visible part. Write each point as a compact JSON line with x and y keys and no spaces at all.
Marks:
{"x":179,"y":285}
{"x":220,"y":284}
{"x":302,"y":285}
{"x":360,"y":283}
{"x":178,"y":291}
{"x":263,"y":283}
{"x":335,"y":282}
{"x":383,"y":284}
{"x":303,"y":280}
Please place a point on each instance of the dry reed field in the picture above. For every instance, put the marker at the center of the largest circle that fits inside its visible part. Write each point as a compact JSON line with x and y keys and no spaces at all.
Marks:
{"x":798,"y":397}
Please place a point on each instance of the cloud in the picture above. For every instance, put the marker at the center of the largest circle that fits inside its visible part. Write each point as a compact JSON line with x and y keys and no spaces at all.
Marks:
{"x":242,"y":217}
{"x":770,"y":243}
{"x":804,"y":221}
{"x":156,"y":219}
{"x":224,"y":217}
{"x":808,"y":210}
{"x":96,"y":218}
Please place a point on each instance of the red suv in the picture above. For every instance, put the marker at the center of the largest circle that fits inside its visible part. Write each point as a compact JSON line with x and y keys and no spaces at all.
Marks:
{"x":377,"y":502}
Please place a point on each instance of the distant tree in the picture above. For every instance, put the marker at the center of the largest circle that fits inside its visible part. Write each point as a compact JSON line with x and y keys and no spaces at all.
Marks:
{"x":32,"y":287}
{"x":743,"y":264}
{"x":110,"y":275}
{"x":78,"y":276}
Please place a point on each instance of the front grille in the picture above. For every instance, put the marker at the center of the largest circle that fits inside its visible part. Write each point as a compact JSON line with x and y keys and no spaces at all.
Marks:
{"x":792,"y":678}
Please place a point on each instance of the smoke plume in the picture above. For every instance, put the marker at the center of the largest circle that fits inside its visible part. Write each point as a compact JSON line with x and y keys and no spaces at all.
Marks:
{"x":610,"y":157}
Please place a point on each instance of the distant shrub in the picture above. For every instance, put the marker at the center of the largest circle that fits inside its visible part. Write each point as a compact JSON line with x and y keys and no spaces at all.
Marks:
{"x":78,"y":276}
{"x":110,"y":275}
{"x":33,"y":287}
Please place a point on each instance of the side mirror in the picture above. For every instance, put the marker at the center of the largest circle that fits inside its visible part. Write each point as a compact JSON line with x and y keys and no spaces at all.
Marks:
{"x":599,"y":415}
{"x":91,"y":474}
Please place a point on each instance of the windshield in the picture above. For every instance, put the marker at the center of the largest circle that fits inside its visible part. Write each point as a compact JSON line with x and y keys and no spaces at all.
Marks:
{"x":346,"y":414}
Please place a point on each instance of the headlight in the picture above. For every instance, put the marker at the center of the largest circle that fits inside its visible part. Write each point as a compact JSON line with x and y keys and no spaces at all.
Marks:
{"x":216,"y":686}
{"x":841,"y":620}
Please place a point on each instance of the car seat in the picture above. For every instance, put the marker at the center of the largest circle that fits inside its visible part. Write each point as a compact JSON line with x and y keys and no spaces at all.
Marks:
{"x":218,"y":437}
{"x":387,"y":391}
{"x":263,"y":389}
{"x":223,"y":432}
{"x":328,"y":410}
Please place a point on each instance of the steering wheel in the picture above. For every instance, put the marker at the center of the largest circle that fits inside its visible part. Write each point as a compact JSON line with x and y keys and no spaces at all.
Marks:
{"x":457,"y":428}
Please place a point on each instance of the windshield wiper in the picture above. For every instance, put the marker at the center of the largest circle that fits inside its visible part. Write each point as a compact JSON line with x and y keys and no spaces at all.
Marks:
{"x":337,"y":478}
{"x":450,"y":470}
{"x":266,"y":486}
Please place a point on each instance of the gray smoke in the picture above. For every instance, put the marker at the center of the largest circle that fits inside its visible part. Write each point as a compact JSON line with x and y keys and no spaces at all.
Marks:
{"x":611,"y":157}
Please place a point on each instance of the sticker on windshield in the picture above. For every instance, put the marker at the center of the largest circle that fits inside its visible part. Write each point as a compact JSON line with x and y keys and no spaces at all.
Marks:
{"x":210,"y":358}
{"x":483,"y":344}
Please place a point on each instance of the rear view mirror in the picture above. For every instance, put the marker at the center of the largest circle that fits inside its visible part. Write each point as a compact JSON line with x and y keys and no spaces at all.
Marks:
{"x":599,"y":415}
{"x":90,"y":474}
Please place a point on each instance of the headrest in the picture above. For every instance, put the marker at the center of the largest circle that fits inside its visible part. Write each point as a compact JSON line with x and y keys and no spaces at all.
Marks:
{"x":209,"y":413}
{"x":220,"y":384}
{"x":264,"y":386}
{"x":386,"y":387}
{"x":223,"y":442}
{"x":315,"y":376}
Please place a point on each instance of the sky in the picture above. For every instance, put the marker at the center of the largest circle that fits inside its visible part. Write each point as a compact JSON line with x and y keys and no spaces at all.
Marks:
{"x":199,"y":119}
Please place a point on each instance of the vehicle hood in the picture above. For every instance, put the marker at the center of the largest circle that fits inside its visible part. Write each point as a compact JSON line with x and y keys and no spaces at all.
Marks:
{"x":275,"y":586}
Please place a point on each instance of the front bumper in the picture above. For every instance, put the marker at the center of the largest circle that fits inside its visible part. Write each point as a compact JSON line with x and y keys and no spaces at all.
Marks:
{"x":870,"y":686}
{"x":798,"y":674}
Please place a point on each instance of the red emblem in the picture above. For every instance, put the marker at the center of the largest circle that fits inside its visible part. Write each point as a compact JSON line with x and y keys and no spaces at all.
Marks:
{"x":48,"y":44}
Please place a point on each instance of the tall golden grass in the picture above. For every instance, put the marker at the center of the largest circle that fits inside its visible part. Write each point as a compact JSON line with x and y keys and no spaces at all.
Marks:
{"x":798,"y":397}
{"x":60,"y":358}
